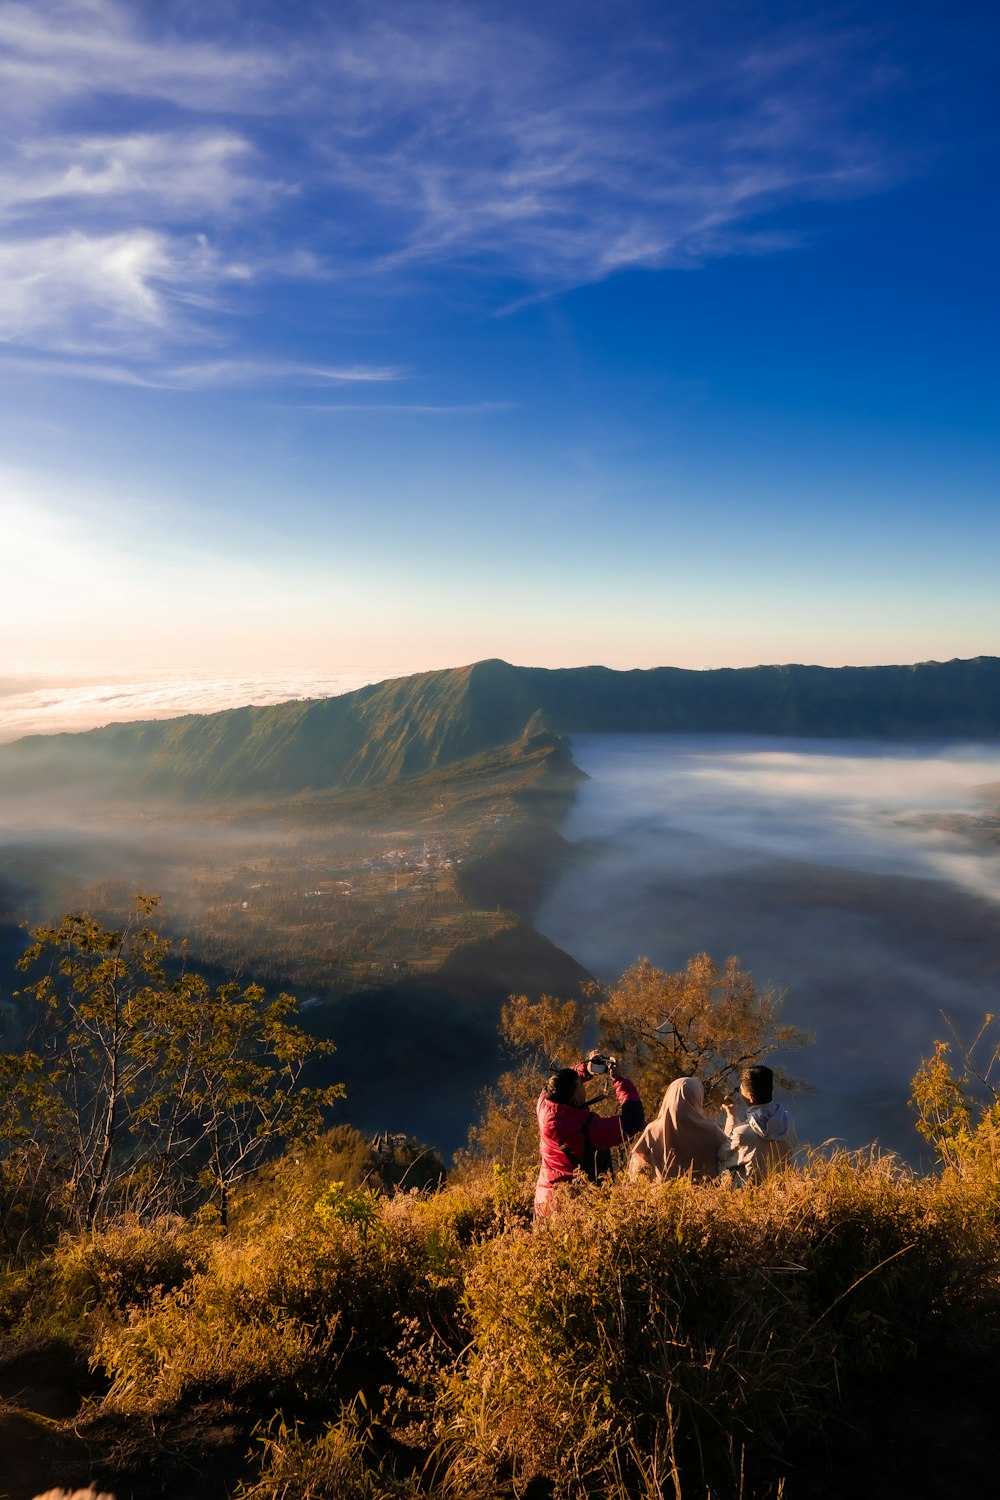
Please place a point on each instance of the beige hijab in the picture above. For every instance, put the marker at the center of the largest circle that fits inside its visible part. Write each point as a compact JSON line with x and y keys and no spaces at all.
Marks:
{"x":681,"y":1139}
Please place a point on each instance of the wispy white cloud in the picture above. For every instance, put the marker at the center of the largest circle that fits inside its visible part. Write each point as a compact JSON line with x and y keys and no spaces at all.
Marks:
{"x":214,"y":374}
{"x":484,"y":144}
{"x":52,"y":51}
{"x":406,"y":139}
{"x":15,"y":365}
{"x":420,"y":408}
{"x":495,"y":150}
{"x":123,"y":240}
{"x":86,"y":292}
{"x":274,"y":372}
{"x":160,"y":174}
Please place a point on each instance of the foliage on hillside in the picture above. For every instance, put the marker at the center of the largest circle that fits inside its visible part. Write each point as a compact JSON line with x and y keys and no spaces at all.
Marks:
{"x":956,"y":1099}
{"x":642,"y":1342}
{"x":138,"y":1091}
{"x":361,"y":1330}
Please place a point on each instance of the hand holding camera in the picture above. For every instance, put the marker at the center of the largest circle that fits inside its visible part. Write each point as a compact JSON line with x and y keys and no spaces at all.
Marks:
{"x":597,"y":1064}
{"x":731,"y":1106}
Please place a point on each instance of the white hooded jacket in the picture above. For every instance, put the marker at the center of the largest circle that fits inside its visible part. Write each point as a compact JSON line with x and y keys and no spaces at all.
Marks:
{"x":764,"y":1139}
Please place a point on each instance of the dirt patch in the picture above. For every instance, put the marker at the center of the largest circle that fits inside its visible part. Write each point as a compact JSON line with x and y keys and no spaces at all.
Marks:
{"x":39,"y":1453}
{"x":46,"y":1379}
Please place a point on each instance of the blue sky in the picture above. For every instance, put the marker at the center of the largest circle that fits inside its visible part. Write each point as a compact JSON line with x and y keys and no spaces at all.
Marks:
{"x":367,"y":338}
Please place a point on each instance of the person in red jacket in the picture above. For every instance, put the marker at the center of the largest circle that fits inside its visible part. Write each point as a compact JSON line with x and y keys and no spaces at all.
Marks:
{"x":570,"y":1135}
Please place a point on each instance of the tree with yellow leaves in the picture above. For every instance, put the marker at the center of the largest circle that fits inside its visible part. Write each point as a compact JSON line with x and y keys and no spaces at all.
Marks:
{"x":958,"y":1113}
{"x":702,"y":1021}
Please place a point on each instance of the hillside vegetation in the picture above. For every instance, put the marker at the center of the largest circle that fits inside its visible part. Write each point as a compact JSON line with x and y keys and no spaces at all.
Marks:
{"x":348,"y":1343}
{"x":341,"y":1324}
{"x":410,"y":725}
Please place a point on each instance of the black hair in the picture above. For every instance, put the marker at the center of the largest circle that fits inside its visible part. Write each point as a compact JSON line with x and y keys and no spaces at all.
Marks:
{"x":759,"y":1081}
{"x":561,"y":1086}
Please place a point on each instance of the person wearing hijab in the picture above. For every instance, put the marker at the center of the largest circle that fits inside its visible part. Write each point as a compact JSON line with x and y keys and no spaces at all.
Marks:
{"x":682,"y":1140}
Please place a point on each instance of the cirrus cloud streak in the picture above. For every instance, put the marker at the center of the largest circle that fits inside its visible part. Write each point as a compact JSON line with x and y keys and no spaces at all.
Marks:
{"x":376,"y":145}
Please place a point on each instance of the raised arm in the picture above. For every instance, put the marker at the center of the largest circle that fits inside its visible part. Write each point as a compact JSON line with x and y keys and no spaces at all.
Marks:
{"x":605,"y":1131}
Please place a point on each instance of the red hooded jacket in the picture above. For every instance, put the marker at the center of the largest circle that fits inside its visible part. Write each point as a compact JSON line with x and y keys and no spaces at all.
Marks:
{"x":569,"y":1135}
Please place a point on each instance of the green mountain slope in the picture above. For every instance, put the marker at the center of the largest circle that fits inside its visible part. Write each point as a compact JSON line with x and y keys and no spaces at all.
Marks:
{"x":414,"y":724}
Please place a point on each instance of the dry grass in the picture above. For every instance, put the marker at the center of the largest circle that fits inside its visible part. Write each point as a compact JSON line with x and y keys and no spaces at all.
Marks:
{"x":334,"y":1466}
{"x":644,"y":1339}
{"x":641,"y":1343}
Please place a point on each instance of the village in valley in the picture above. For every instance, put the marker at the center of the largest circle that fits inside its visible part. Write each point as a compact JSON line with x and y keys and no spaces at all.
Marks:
{"x":349,"y":912}
{"x":333,"y":899}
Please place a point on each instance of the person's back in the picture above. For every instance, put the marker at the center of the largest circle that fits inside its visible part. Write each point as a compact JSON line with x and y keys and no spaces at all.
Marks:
{"x":682,"y":1141}
{"x":762,"y":1136}
{"x":570,"y":1135}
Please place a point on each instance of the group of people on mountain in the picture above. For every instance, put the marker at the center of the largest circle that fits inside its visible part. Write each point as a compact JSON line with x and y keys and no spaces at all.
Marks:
{"x":754,"y":1135}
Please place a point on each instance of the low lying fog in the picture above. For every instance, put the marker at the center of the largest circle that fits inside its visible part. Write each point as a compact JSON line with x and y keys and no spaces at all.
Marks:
{"x":811,"y":861}
{"x":31,"y":704}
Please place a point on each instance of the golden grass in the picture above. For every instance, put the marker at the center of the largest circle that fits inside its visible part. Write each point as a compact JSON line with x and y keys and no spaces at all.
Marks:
{"x":641,"y":1342}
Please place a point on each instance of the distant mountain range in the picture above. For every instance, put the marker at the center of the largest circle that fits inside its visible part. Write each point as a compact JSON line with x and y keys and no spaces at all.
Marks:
{"x":411,"y":725}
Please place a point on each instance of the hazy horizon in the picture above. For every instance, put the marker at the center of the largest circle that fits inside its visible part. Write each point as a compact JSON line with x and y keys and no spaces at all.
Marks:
{"x":47,"y":704}
{"x":55,"y":701}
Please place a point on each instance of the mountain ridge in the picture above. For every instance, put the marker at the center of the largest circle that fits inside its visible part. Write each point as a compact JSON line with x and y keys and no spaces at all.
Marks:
{"x":407,"y":725}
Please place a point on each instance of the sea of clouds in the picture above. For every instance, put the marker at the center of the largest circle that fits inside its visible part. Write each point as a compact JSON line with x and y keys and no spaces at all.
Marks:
{"x":745,"y":802}
{"x":814,"y":863}
{"x":33,"y":704}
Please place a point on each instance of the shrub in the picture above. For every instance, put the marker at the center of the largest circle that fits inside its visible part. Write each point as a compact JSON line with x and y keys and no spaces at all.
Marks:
{"x":128,"y":1265}
{"x":91,"y":1281}
{"x":291,"y":1182}
{"x":337,"y":1465}
{"x":481,"y":1203}
{"x":693,"y":1325}
{"x":31,"y":1211}
{"x":642,"y":1341}
{"x":959,"y":1113}
{"x":580,"y":1349}
{"x":305,"y":1309}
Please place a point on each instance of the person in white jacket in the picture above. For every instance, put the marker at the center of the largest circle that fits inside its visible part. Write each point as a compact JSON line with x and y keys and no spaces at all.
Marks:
{"x":761,"y":1131}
